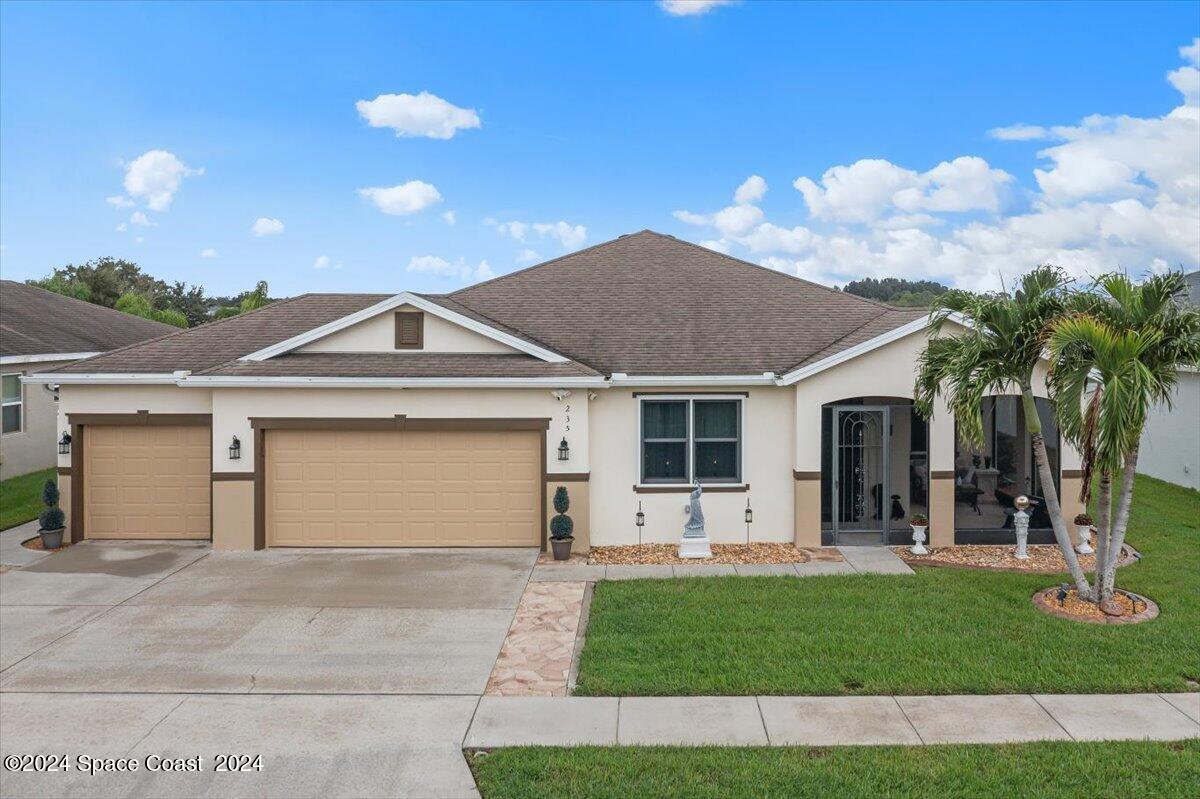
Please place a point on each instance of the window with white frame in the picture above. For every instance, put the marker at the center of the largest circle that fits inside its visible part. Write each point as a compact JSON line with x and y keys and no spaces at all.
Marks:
{"x":13,"y":410}
{"x":691,"y":439}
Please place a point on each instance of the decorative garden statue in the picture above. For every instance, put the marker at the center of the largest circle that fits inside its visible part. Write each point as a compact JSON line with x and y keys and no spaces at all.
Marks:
{"x":695,"y":543}
{"x":1021,"y":523}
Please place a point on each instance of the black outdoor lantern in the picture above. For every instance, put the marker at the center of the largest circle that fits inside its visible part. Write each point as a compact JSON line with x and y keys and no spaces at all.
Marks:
{"x":64,"y":444}
{"x":749,"y":513}
{"x":641,"y":517}
{"x":564,"y":451}
{"x":235,"y":449}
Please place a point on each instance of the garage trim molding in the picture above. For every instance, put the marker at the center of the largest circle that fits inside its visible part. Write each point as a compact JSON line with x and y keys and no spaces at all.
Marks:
{"x":399,"y":422}
{"x":78,"y":421}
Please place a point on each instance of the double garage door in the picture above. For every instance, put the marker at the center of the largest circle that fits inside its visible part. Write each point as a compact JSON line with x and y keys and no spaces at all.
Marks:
{"x":324,"y":487}
{"x":415,"y":488}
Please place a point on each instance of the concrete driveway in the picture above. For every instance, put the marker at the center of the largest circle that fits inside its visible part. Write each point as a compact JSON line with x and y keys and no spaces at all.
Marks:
{"x":352,"y":672}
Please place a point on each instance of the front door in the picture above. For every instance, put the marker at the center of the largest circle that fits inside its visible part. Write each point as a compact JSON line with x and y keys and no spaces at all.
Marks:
{"x":861,"y":496}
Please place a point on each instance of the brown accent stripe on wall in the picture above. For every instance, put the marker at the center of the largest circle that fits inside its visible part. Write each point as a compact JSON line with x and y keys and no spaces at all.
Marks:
{"x":947,"y":474}
{"x":568,"y":477}
{"x":219,"y":477}
{"x":64,"y":471}
{"x":687,"y":489}
{"x":140,"y":418}
{"x":683,"y":392}
{"x":1072,"y":473}
{"x":806,"y":475}
{"x":398,"y":422}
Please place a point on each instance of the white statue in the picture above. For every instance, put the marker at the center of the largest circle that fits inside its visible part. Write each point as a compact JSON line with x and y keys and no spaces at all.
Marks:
{"x":695,"y":543}
{"x":1021,"y":523}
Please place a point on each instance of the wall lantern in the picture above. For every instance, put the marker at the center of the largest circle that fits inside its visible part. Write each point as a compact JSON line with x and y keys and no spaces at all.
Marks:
{"x":64,"y":444}
{"x":564,"y":452}
{"x":235,"y":449}
{"x":640,"y":518}
{"x":749,"y":513}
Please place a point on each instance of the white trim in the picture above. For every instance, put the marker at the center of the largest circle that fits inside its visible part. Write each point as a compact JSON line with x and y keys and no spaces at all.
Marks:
{"x":219,"y":381}
{"x":796,"y":375}
{"x":404,"y":298}
{"x":763,"y":379}
{"x":8,"y":360}
{"x":19,"y":402}
{"x":102,"y":379}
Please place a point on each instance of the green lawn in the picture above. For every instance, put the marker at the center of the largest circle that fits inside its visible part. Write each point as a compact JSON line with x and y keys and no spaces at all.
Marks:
{"x":21,"y":497}
{"x":944,"y":631}
{"x":1095,"y":770}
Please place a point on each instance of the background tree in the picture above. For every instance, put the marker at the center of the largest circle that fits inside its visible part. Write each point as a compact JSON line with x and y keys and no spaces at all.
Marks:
{"x":188,"y":300}
{"x":897,"y":291}
{"x":999,"y":349}
{"x":1115,"y":356}
{"x":138,"y":305}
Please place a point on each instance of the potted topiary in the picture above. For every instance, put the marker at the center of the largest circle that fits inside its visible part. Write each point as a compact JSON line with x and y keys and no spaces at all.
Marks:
{"x":1083,"y":526}
{"x":561,"y":526}
{"x":919,"y":522}
{"x":51,"y":520}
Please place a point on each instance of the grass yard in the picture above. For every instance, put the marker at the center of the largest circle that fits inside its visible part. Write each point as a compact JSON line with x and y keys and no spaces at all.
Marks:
{"x":943,"y":631}
{"x":1099,"y":770}
{"x":21,"y":497}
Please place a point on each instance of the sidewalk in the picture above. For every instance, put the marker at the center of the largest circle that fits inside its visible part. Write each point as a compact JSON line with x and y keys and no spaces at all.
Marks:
{"x":858,"y":560}
{"x":11,"y":551}
{"x":830,"y":720}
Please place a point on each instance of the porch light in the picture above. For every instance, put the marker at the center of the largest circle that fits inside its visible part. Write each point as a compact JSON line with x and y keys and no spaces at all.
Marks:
{"x":564,"y":451}
{"x":640,"y":518}
{"x":235,"y":449}
{"x":749,"y":512}
{"x":64,"y":444}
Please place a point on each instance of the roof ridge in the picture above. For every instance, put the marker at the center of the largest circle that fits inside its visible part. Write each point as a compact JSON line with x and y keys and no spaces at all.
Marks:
{"x":180,"y":332}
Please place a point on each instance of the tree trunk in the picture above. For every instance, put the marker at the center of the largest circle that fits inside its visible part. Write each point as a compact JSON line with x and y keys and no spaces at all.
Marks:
{"x":1033,"y":424}
{"x":1107,"y":582}
{"x":1103,"y":525}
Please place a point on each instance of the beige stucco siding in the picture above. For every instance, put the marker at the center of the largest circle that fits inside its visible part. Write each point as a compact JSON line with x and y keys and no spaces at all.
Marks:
{"x":615,"y":454}
{"x":378,"y":334}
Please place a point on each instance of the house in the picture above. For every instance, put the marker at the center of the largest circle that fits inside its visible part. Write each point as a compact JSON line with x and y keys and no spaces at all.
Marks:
{"x":625,"y":372}
{"x":1170,"y":447}
{"x":42,"y":331}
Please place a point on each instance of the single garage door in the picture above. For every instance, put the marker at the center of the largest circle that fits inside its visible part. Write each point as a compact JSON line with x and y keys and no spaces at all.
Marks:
{"x":403,"y":488}
{"x":146,"y":481}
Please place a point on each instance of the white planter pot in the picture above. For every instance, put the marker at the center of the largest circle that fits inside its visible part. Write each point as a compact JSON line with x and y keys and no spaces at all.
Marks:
{"x":1085,"y":539}
{"x":918,"y":547}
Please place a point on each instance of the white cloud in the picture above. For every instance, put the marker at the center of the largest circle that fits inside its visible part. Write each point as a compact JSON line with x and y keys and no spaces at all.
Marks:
{"x":407,"y":198}
{"x":119,"y":201}
{"x":528,"y":256}
{"x":423,"y":114}
{"x":139,"y":239}
{"x":716,"y":245}
{"x":1019,"y":132}
{"x":569,"y":236}
{"x":208,"y":252}
{"x":449,"y":217}
{"x":752,"y":190}
{"x":1113,"y":192}
{"x":691,"y":8}
{"x":138,"y":218}
{"x":265,"y":226}
{"x":154,"y":177}
{"x":121,"y":228}
{"x":433,"y":265}
{"x":1191,"y":52}
{"x":322,"y":262}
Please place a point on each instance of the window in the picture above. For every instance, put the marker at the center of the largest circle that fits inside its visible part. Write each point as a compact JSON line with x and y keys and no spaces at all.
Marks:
{"x":12,"y":410}
{"x":410,"y":330}
{"x":691,"y":440}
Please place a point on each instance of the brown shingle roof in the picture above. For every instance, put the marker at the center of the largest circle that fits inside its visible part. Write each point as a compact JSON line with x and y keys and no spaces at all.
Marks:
{"x":34,"y":321}
{"x":400,"y":364}
{"x":653,"y":304}
{"x":644,"y":304}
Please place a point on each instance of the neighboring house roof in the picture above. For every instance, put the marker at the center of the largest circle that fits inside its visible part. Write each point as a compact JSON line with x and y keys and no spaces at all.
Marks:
{"x":642,"y":304}
{"x":34,"y":321}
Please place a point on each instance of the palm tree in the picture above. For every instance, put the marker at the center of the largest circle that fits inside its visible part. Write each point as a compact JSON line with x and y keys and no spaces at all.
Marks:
{"x":1003,"y":341}
{"x":1115,"y":356}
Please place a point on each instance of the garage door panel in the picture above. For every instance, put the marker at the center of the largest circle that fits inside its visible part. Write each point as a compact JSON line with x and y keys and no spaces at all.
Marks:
{"x":411,"y":488}
{"x":147,"y":481}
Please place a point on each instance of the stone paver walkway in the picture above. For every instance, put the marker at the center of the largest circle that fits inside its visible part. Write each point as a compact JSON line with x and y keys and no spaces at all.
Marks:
{"x":830,"y":720}
{"x":535,"y":659}
{"x":855,"y":560}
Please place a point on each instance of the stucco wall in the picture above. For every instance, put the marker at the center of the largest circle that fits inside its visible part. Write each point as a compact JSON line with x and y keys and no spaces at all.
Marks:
{"x":767,"y":457}
{"x":1171,"y":439}
{"x":35,"y":446}
{"x":378,"y":334}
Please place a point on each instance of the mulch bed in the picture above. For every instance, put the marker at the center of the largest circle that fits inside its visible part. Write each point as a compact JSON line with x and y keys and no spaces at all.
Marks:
{"x":1043,"y":558}
{"x":668,"y":554}
{"x":36,"y":543}
{"x":1134,"y":608}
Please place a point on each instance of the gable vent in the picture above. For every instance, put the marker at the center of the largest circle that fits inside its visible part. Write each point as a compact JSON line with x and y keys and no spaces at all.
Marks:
{"x":410,"y":330}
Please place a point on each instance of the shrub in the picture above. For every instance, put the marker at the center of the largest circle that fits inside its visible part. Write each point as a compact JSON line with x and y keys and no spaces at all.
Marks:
{"x":50,"y":494}
{"x":52,"y":516}
{"x":1082,"y":519}
{"x":561,"y":525}
{"x":919,"y":520}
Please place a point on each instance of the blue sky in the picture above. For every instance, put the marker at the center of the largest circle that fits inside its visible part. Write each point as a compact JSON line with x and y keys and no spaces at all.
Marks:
{"x":596,"y":119}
